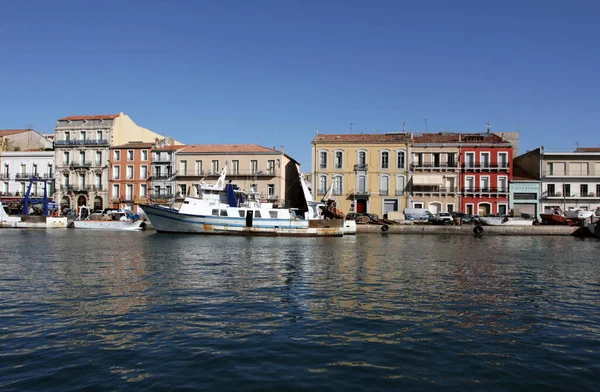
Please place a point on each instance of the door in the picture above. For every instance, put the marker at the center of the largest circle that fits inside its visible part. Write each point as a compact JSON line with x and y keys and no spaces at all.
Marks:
{"x":249,"y":216}
{"x":361,"y":205}
{"x":435,"y":207}
{"x":484,"y":209}
{"x":390,"y":206}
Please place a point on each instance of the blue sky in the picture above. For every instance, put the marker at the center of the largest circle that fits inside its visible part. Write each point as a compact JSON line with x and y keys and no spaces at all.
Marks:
{"x":275,"y":72}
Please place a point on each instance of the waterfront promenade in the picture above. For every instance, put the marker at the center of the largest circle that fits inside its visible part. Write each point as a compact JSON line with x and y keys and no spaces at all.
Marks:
{"x":540,"y":230}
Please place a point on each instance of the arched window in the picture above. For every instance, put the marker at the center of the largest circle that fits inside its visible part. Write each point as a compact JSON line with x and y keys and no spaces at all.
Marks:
{"x":322,"y":185}
{"x":385,"y":159}
{"x":400,"y":185}
{"x":338,"y":182}
{"x":384,"y":185}
{"x":400,"y":160}
{"x":323,"y":159}
{"x":362,"y":160}
{"x":338,"y":159}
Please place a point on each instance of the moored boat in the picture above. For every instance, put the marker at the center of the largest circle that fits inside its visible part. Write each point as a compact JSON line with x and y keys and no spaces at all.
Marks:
{"x":225,"y":209}
{"x":555,"y":217}
{"x":579,"y":214}
{"x":108,"y":219}
{"x":505,"y":221}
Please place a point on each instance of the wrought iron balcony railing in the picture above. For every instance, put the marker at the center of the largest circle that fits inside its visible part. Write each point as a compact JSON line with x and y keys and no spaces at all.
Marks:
{"x":433,"y":189}
{"x":80,"y":165}
{"x":484,"y":190}
{"x":81,"y":142}
{"x":485,"y":166}
{"x":435,"y":166}
{"x":361,"y":166}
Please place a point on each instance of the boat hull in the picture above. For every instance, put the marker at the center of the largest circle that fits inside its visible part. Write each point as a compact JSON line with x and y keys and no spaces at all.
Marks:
{"x":579,"y":215}
{"x":554,"y":219}
{"x":34,"y":222}
{"x":166,"y":220}
{"x":109,"y":225}
{"x":499,"y":221}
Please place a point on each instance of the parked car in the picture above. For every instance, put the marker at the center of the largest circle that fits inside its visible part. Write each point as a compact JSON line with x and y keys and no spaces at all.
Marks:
{"x":465,"y":218}
{"x":418,"y":215}
{"x":443,"y":218}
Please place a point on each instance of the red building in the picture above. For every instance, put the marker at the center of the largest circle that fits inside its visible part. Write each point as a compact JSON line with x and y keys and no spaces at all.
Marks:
{"x":486,"y":171}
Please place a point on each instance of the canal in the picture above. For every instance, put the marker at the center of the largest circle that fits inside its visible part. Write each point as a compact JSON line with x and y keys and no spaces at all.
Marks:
{"x":145,"y":311}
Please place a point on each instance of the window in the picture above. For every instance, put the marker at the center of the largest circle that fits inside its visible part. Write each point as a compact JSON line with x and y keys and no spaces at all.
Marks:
{"x":503,"y":160}
{"x":417,"y":205}
{"x":578,"y":169}
{"x":143,"y":190}
{"x":451,"y":160}
{"x":271,"y":166}
{"x":323,"y":160}
{"x":50,"y":171}
{"x":223,"y":212}
{"x":214,"y":166}
{"x":253,"y":166}
{"x":597,"y":190}
{"x":5,"y":188}
{"x":583,"y":190}
{"x":116,"y":172}
{"x":362,"y":184}
{"x":485,"y":159}
{"x":23,"y":169}
{"x":437,"y":159}
{"x":273,"y":214}
{"x":115,"y":191}
{"x":82,"y":180}
{"x":470,"y":184}
{"x":362,"y":159}
{"x":400,"y":185}
{"x":338,"y":185}
{"x":502,"y":209}
{"x":419,"y":159}
{"x":98,"y":181}
{"x":183,"y":168}
{"x":385,"y":160}
{"x":66,"y":158}
{"x":470,"y":159}
{"x":82,"y":157}
{"x":449,"y":207}
{"x":469,"y":209}
{"x":322,"y":185}
{"x":98,"y":158}
{"x":400,"y":163}
{"x":169,"y":190}
{"x":198,"y":167}
{"x":270,"y":191}
{"x":484,"y":182}
{"x":183,"y":189}
{"x":144,"y":155}
{"x":257,"y":214}
{"x":143,"y":172}
{"x":68,"y":136}
{"x":339,"y":160}
{"x":99,"y":135}
{"x":502,"y":184}
{"x":82,"y":135}
{"x":567,"y":190}
{"x":235,"y":167}
{"x":116,"y":155}
{"x":551,"y":190}
{"x":556,"y":169}
{"x":66,"y":180}
{"x":130,"y":155}
{"x":130,"y":172}
{"x":384,"y":185}
{"x":129,"y":192}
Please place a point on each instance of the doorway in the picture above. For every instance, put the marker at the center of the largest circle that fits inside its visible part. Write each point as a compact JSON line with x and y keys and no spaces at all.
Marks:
{"x":361,"y":205}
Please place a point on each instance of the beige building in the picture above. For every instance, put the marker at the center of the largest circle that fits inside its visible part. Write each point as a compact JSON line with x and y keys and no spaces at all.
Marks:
{"x":435,"y":167}
{"x":82,"y":147}
{"x":270,"y":172}
{"x":368,"y":172}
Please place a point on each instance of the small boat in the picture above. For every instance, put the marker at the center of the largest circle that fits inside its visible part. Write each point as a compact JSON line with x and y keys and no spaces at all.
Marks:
{"x":505,"y":221}
{"x":225,"y":209}
{"x":555,"y":217}
{"x":108,"y":219}
{"x":594,"y":228}
{"x":579,"y":214}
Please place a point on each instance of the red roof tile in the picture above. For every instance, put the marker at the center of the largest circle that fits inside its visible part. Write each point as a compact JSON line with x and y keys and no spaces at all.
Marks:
{"x":228,"y":148}
{"x":588,"y":149}
{"x":436,"y":138}
{"x":8,"y":132}
{"x":91,"y":117}
{"x":362,"y":138}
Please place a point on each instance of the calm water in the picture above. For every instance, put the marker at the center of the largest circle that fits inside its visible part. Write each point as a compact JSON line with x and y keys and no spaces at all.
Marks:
{"x":129,"y":311}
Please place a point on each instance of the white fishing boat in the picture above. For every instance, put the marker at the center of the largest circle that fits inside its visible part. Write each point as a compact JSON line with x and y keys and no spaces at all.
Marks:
{"x":225,"y":209}
{"x":108,"y":219}
{"x":579,"y":214}
{"x":505,"y":221}
{"x":27,"y":221}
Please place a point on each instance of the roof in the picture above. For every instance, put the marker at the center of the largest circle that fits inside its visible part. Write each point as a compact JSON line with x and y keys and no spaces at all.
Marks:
{"x":519,"y":174}
{"x":363,"y":138}
{"x":588,"y":149}
{"x":134,"y":145}
{"x":90,"y":117}
{"x":8,"y":132}
{"x":437,"y":138}
{"x":226,"y":148}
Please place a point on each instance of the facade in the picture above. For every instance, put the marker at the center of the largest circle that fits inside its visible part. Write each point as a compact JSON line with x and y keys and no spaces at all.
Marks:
{"x":163,"y":171}
{"x":368,"y":172}
{"x":435,"y":170}
{"x":23,"y":139}
{"x":130,"y":168}
{"x":569,"y":180}
{"x":524,"y":193}
{"x":270,"y":172}
{"x":82,"y":146}
{"x":486,"y":171}
{"x":18,"y":167}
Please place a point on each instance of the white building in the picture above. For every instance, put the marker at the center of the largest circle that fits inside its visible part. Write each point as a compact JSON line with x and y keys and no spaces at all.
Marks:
{"x":19,"y":166}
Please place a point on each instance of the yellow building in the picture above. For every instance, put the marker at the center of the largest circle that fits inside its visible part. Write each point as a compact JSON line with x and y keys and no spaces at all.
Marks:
{"x":270,"y":172}
{"x":368,"y":172}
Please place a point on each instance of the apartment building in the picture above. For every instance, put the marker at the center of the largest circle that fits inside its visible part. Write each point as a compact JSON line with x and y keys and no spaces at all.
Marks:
{"x":368,"y":172}
{"x":436,"y":172}
{"x":130,"y":166}
{"x":486,"y":171}
{"x":82,"y":145}
{"x":163,"y":171}
{"x":17,"y":167}
{"x":569,"y":180}
{"x":268,"y":171}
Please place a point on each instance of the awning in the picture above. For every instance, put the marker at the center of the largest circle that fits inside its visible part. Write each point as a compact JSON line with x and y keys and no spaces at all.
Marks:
{"x":427,"y":179}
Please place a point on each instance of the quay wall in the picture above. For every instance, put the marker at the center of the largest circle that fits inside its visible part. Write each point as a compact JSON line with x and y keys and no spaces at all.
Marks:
{"x":468,"y":230}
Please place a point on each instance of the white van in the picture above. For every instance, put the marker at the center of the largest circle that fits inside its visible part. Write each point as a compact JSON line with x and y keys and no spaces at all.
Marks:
{"x":418,"y":214}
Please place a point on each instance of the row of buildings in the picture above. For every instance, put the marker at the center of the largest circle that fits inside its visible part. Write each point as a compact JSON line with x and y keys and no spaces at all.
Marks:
{"x":109,"y":161}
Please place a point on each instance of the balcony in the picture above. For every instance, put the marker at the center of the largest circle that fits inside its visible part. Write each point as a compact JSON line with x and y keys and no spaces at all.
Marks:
{"x":80,"y":165}
{"x":360,"y":192}
{"x":434,"y":190}
{"x":434,"y":166}
{"x":493,"y":166}
{"x":485,"y":190}
{"x":76,"y":188}
{"x":570,"y":174}
{"x":571,"y":196}
{"x":384,"y":192}
{"x":399,"y":193}
{"x":81,"y":142}
{"x":4,"y":176}
{"x":158,"y":159}
{"x":361,"y":167}
{"x":48,"y":176}
{"x":163,"y":176}
{"x":162,"y":196}
{"x":95,"y":188}
{"x":25,"y":176}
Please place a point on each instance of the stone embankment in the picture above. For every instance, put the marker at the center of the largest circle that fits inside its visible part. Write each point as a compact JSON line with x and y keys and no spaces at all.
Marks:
{"x":470,"y":230}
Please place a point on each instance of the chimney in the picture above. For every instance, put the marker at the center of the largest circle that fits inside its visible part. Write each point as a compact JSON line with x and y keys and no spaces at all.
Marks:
{"x":281,"y":148}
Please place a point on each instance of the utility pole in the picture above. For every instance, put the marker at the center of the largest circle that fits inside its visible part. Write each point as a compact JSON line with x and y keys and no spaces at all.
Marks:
{"x":351,"y":124}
